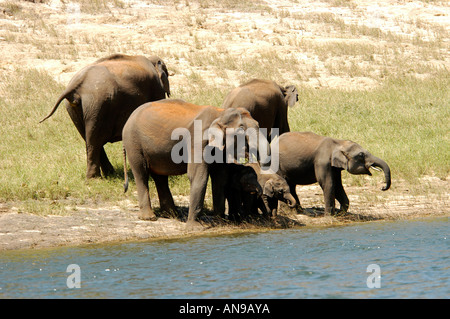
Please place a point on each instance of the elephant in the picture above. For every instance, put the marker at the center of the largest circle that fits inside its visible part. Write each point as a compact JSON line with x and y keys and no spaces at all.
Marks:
{"x":102,"y":96}
{"x":242,"y":181}
{"x":151,"y":138}
{"x":306,"y":158}
{"x":247,"y":201}
{"x":275,"y":188}
{"x":266,"y":101}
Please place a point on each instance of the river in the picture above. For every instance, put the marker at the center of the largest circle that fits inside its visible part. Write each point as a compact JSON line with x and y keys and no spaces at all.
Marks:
{"x":401,"y":259}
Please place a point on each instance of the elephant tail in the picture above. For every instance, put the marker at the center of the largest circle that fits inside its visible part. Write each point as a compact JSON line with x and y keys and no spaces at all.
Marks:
{"x":60,"y":99}
{"x":70,"y":93}
{"x":125,"y":170}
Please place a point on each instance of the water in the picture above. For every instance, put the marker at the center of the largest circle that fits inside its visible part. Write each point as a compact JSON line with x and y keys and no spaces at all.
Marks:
{"x":412,"y":256}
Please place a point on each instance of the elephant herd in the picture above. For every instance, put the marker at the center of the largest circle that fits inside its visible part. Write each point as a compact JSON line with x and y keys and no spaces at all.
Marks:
{"x":123,"y":97}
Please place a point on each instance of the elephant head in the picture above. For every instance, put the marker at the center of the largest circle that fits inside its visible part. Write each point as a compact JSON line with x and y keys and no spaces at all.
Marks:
{"x":290,"y":95}
{"x":248,"y":181}
{"x":163,"y":74}
{"x":235,"y":128}
{"x":356,"y":160}
{"x":277,"y":187}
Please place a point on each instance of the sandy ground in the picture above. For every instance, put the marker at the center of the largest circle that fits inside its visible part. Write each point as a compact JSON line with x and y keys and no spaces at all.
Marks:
{"x":62,"y":40}
{"x":107,"y":223}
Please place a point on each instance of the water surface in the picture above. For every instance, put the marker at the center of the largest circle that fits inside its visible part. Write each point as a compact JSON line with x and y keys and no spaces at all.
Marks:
{"x":412,"y":256}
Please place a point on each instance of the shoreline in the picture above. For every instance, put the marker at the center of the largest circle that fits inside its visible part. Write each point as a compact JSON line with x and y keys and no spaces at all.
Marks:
{"x":106,"y":224}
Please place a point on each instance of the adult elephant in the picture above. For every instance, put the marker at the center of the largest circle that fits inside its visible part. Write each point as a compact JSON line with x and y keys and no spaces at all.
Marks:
{"x":101,"y":97}
{"x":266,"y":101}
{"x":170,"y":137}
{"x":306,"y":158}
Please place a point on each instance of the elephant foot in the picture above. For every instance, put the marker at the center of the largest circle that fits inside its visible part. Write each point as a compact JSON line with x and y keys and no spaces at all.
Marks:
{"x":171,"y":211}
{"x":299,"y":209}
{"x":147,"y":216}
{"x":192,"y":226}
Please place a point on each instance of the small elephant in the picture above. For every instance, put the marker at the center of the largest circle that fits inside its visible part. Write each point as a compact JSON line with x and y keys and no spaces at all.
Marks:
{"x":266,"y":101}
{"x":150,"y":138}
{"x":242,"y":181}
{"x":306,"y":158}
{"x":102,"y":96}
{"x":246,"y":200}
{"x":275,"y":188}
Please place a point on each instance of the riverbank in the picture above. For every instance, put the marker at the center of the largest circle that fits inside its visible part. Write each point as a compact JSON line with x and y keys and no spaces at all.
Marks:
{"x":105,"y":222}
{"x":375,"y":72}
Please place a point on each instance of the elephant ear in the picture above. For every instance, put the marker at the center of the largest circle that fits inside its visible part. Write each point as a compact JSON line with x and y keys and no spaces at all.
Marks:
{"x":268,"y":188}
{"x":339,"y":158}
{"x":216,"y":135}
{"x":163,"y":75}
{"x":290,"y":95}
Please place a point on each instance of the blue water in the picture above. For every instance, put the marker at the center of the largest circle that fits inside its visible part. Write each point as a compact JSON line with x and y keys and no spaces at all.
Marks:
{"x":412,"y":256}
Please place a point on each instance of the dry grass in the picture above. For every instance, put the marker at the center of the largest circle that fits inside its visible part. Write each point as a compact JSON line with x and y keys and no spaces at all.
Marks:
{"x":378,"y":77}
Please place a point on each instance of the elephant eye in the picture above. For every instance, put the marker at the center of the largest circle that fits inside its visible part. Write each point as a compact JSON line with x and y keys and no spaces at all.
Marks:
{"x":361,"y":154}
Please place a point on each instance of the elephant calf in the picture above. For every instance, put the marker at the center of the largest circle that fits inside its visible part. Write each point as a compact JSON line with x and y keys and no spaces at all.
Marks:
{"x":272,"y":188}
{"x":306,"y":158}
{"x":241,"y":180}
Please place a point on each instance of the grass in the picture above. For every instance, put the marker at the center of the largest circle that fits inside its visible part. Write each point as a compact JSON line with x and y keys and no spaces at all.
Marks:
{"x":403,"y":120}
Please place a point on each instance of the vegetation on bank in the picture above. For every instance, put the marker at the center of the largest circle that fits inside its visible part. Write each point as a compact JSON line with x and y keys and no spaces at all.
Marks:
{"x":404,"y":119}
{"x":405,"y":122}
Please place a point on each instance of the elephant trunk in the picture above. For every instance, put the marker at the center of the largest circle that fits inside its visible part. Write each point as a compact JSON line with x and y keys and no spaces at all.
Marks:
{"x":266,"y":204}
{"x":290,"y":200}
{"x":379,"y":163}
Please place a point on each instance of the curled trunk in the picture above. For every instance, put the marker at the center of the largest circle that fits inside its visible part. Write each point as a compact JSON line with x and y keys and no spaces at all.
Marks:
{"x":290,"y":200}
{"x":379,"y":163}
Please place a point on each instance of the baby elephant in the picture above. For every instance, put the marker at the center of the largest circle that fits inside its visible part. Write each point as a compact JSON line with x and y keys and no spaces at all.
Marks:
{"x":242,"y":181}
{"x":306,"y":158}
{"x":244,"y":199}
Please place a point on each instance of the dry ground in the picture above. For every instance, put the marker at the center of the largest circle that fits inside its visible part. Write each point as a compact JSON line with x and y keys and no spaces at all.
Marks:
{"x":101,"y":223}
{"x":338,"y":44}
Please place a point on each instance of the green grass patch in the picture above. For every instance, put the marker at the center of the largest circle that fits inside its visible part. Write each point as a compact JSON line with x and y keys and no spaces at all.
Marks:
{"x":404,"y":121}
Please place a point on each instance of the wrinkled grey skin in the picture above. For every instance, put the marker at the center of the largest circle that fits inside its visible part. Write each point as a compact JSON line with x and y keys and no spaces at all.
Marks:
{"x":307,"y":158}
{"x":147,"y":141}
{"x":101,"y":97}
{"x":266,"y":101}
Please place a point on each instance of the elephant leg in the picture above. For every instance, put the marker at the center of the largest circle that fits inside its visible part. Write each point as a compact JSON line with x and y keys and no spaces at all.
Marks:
{"x":250,"y":204}
{"x":218,"y":183}
{"x":326,"y":182}
{"x":105,"y":164}
{"x":141,"y":177}
{"x":198,"y":177}
{"x":273,"y":206}
{"x":93,"y":154}
{"x":339,"y":191}
{"x":165,"y":196}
